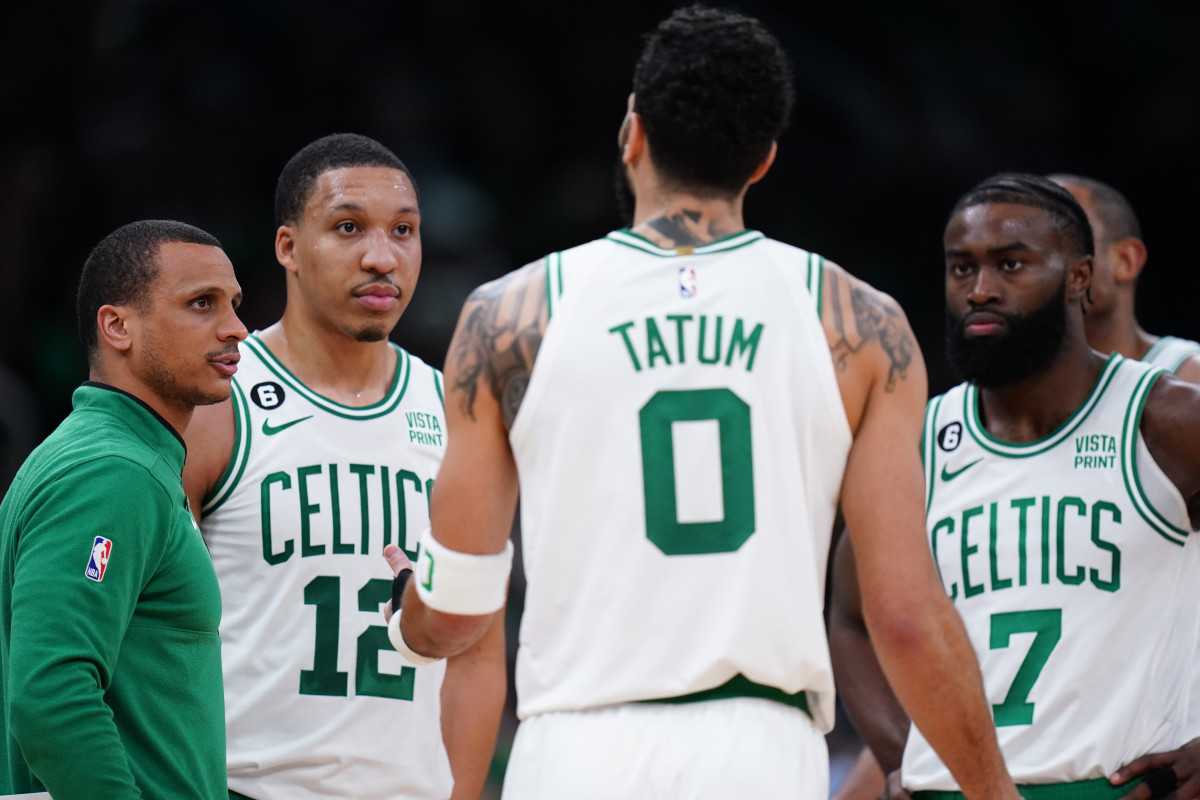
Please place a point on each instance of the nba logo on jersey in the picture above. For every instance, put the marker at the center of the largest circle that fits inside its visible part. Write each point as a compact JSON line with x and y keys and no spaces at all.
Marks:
{"x":687,"y":282}
{"x":99,"y":560}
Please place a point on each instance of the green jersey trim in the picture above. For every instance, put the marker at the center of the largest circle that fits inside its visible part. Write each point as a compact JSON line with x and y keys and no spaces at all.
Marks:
{"x":1129,"y":467}
{"x":816,"y":279}
{"x":732,"y":242}
{"x":1094,"y":789}
{"x":437,"y":384}
{"x":237,"y":462}
{"x":554,"y":284}
{"x":741,"y":686}
{"x":929,"y":447}
{"x":1055,"y":437}
{"x":385,"y":406}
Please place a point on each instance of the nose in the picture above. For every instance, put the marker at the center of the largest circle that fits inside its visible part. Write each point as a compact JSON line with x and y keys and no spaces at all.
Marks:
{"x":985,"y":288}
{"x":380,"y":255}
{"x":232,"y":329}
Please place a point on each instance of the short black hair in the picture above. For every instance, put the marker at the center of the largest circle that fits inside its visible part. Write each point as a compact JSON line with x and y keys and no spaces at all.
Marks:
{"x":122,"y":267}
{"x":335,"y":151}
{"x":713,"y":89}
{"x":1120,"y":221}
{"x":1033,"y":190}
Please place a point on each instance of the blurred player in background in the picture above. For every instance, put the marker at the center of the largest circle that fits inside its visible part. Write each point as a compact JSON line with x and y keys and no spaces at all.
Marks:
{"x":326,"y":454}
{"x":684,"y":402}
{"x":110,"y":660}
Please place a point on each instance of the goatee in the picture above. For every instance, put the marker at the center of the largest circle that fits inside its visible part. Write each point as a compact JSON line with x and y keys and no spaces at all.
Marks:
{"x":1028,"y":347}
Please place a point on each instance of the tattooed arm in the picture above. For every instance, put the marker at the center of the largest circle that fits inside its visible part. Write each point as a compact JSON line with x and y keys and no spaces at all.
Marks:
{"x":475,"y":496}
{"x":917,"y":635}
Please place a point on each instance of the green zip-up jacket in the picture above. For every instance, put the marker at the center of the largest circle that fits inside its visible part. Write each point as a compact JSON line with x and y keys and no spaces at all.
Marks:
{"x":110,"y":663}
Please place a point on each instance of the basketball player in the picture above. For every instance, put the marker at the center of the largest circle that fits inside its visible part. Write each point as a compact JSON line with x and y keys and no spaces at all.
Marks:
{"x":1113,"y":327}
{"x":684,"y":401}
{"x":326,"y":454}
{"x":1072,"y":525}
{"x":110,"y":660}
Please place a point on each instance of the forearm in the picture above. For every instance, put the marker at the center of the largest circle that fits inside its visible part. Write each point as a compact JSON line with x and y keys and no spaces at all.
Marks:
{"x":436,"y":634}
{"x":930,"y":663}
{"x":864,"y":690}
{"x":473,"y":696}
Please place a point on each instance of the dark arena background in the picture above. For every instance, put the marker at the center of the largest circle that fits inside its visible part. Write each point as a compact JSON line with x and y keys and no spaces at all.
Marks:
{"x":507,"y":113}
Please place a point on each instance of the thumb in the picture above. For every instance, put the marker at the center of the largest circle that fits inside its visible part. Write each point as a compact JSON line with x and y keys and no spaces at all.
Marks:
{"x":396,"y":559}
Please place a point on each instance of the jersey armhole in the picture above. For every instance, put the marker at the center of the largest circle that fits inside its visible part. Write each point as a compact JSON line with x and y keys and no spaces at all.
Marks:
{"x":1131,"y":443}
{"x":237,"y":462}
{"x":928,"y":451}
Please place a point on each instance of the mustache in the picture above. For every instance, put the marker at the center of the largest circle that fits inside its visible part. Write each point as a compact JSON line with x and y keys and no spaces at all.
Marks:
{"x":230,"y":349}
{"x":382,"y":280}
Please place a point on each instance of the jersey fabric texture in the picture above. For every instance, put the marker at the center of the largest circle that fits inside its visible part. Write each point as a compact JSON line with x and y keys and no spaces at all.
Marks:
{"x":1170,"y":353}
{"x":318,"y":702}
{"x":109,"y":608}
{"x":1071,"y":563}
{"x":681,"y":448}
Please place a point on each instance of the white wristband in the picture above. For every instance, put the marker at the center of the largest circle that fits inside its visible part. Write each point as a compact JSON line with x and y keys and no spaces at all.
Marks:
{"x":462,"y":583}
{"x":397,"y":639}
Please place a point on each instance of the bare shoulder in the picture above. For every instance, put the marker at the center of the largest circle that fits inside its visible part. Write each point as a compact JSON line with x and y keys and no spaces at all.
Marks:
{"x":496,"y":342}
{"x":209,"y":438}
{"x":867,"y":330}
{"x":1171,"y":428}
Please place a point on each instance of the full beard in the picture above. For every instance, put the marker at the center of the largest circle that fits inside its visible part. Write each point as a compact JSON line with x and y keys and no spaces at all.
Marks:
{"x":1029,"y":346}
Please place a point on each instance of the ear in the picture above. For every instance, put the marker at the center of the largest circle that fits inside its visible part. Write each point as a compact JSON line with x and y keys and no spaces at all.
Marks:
{"x":633,"y":134}
{"x":285,"y":247}
{"x":1129,"y":256}
{"x":1079,"y":277}
{"x":765,"y":165}
{"x":115,"y":327}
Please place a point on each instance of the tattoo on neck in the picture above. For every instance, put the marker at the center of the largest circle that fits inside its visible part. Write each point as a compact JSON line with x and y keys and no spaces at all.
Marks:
{"x":686,"y":228}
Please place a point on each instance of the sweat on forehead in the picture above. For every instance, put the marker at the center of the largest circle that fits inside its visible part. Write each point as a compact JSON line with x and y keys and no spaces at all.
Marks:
{"x":1036,"y":192}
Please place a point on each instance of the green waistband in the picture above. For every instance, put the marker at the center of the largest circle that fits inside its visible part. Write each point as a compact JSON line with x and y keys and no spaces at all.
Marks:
{"x":1095,"y":789}
{"x":741,"y":686}
{"x":235,"y":796}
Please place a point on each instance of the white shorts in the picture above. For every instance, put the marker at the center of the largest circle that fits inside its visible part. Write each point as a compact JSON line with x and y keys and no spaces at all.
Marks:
{"x":719,"y":749}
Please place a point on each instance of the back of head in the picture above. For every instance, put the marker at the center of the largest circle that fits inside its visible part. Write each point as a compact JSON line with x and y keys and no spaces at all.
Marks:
{"x":713,"y":89}
{"x":122,"y":267}
{"x":1037,"y":192}
{"x":1110,"y":207}
{"x":336,"y":151}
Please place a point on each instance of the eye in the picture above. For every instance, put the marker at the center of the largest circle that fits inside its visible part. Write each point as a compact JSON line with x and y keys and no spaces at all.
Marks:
{"x":346,"y":227}
{"x":202,"y":302}
{"x":960,"y":268}
{"x":1010,"y":264}
{"x":404,"y":229}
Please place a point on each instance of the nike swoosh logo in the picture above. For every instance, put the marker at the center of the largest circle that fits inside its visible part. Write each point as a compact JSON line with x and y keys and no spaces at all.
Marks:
{"x":949,"y":476}
{"x":270,"y":430}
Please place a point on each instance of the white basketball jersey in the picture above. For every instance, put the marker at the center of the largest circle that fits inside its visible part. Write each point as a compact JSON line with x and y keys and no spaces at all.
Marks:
{"x":1070,"y":562}
{"x":1170,"y":352}
{"x":681,"y":448}
{"x":318,"y":703}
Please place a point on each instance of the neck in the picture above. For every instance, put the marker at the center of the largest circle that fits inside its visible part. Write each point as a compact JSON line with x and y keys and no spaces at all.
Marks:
{"x":1117,"y":330}
{"x":330,"y":363}
{"x":1033,"y":408}
{"x":683,"y":220}
{"x":177,"y":414}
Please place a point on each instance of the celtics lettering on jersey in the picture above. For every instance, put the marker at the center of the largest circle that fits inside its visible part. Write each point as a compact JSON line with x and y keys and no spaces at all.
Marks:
{"x":318,"y":492}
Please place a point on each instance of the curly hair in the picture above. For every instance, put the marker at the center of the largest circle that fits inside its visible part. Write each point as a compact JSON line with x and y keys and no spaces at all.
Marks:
{"x":122,"y":267}
{"x":1038,"y":192}
{"x":713,"y":89}
{"x":335,"y":151}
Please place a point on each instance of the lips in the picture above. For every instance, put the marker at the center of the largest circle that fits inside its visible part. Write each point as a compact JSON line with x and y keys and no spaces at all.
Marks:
{"x":377,"y":296}
{"x":983,"y":323}
{"x":226,"y":364}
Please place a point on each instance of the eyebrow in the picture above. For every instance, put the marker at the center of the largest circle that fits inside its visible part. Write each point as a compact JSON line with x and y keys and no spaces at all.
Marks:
{"x":357,"y":207}
{"x":218,"y":290}
{"x":992,"y":251}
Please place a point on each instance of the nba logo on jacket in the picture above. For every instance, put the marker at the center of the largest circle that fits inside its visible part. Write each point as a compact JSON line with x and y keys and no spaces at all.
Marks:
{"x":99,"y":560}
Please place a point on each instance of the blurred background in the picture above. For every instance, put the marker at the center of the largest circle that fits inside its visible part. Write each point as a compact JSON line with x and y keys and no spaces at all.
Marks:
{"x":507,"y":113}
